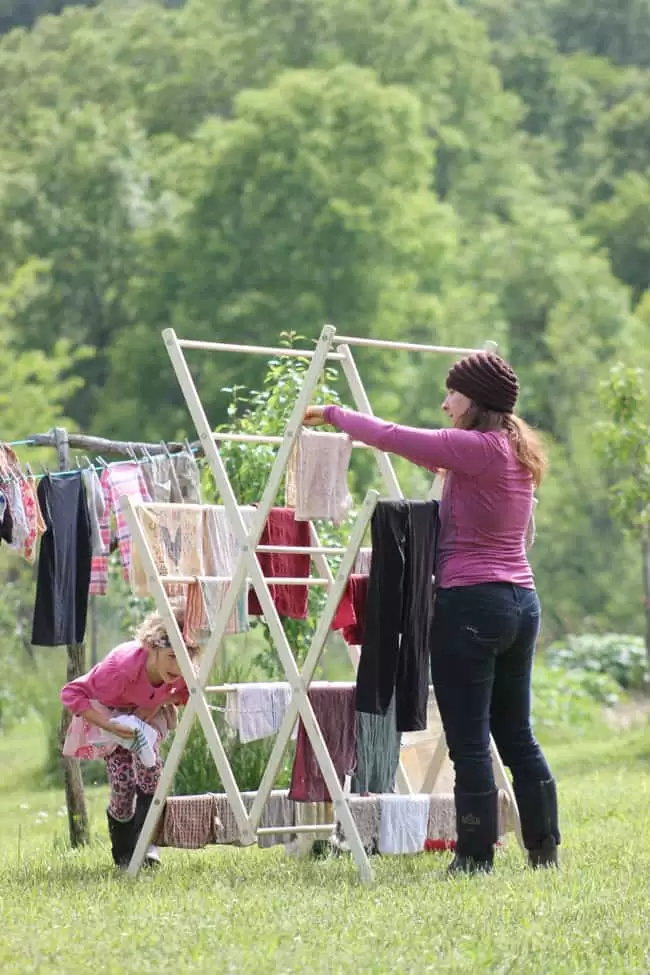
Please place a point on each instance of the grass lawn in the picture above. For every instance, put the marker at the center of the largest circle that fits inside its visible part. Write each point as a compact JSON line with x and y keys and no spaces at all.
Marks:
{"x":229,"y":910}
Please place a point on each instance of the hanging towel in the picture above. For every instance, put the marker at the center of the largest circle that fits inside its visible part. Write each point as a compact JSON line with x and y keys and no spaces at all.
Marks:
{"x":187,"y":477}
{"x":61,"y":603}
{"x":117,"y":480}
{"x":378,"y":752}
{"x":220,"y":553}
{"x":279,"y":810}
{"x":333,"y":706}
{"x":363,"y":562}
{"x":351,"y":613}
{"x":34,"y":516}
{"x":96,"y":508}
{"x":189,"y":822}
{"x":175,"y":539}
{"x":403,"y":823}
{"x":281,"y":528}
{"x":316,"y":483}
{"x":21,"y":527}
{"x":365,"y":813}
{"x":441,"y":824}
{"x":256,"y":711}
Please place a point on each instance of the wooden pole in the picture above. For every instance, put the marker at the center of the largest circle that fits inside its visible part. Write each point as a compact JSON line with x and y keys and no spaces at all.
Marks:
{"x":74,"y":789}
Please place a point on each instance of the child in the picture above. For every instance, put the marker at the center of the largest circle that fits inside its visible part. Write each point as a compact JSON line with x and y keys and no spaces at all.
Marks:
{"x":141,"y":678}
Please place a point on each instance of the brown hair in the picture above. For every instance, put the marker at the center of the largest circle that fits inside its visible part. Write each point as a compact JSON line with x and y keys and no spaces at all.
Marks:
{"x":152,"y":633}
{"x":525,"y":441}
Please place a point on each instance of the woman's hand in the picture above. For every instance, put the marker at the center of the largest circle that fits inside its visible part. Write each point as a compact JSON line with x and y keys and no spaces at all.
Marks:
{"x":315,"y":416}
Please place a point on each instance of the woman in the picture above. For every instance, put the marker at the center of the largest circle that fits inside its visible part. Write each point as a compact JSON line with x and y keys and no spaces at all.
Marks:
{"x":487,"y":613}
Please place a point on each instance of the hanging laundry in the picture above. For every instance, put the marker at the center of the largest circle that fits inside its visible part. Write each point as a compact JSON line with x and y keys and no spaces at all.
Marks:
{"x":317,"y":476}
{"x":18,"y":514}
{"x":6,"y":522}
{"x":403,"y":823}
{"x":256,"y":711}
{"x":351,"y":613}
{"x":175,"y":540}
{"x":333,"y":706}
{"x":365,"y":813}
{"x":395,"y":650}
{"x":189,"y":822}
{"x":64,"y":563}
{"x":35,"y":522}
{"x":278,"y":810}
{"x":281,"y":528}
{"x":363,"y":562}
{"x":96,"y":509}
{"x":221,"y":551}
{"x":378,"y":752}
{"x":117,"y":480}
{"x":188,"y":477}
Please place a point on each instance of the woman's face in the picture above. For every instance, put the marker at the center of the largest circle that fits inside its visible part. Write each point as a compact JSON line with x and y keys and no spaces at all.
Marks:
{"x":456,"y":405}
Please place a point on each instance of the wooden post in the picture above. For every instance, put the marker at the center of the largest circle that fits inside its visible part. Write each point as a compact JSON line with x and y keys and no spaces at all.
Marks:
{"x":74,"y":788}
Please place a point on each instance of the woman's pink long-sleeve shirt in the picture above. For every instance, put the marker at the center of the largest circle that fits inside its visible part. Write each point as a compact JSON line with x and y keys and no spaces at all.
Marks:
{"x":487,"y":500}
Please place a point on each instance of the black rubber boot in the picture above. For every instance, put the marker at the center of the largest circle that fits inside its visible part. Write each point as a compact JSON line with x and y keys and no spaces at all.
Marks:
{"x":477,"y":826}
{"x":537,"y":803}
{"x":122,"y":840}
{"x":142,"y":803}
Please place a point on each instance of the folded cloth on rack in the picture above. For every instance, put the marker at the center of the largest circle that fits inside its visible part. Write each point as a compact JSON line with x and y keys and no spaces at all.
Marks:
{"x":281,"y":528}
{"x":441,"y":824}
{"x":317,"y":476}
{"x":351,"y":613}
{"x":378,"y":752}
{"x":256,"y":711}
{"x":365,"y":813}
{"x":189,"y":822}
{"x":403,"y":823}
{"x":333,"y":706}
{"x":278,"y":810}
{"x":61,"y":603}
{"x":117,"y":481}
{"x":175,"y":539}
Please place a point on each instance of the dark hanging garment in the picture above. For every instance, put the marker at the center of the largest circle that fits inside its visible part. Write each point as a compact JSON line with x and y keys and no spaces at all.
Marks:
{"x":395,"y":650}
{"x":64,"y":563}
{"x":6,"y":520}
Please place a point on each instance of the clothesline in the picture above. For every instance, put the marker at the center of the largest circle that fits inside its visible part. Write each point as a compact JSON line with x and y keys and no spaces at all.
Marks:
{"x":103,"y":465}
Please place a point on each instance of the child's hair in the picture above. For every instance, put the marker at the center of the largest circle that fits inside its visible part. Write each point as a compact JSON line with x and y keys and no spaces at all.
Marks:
{"x":152,"y":633}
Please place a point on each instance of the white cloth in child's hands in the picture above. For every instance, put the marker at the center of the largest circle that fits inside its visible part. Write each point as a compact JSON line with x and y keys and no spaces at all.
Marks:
{"x":142,"y":744}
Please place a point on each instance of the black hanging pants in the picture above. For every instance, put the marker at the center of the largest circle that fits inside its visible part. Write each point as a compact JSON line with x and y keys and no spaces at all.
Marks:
{"x":64,"y":563}
{"x":395,"y":651}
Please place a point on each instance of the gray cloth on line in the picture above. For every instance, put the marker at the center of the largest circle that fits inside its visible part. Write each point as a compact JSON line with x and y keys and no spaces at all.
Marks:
{"x":378,"y":751}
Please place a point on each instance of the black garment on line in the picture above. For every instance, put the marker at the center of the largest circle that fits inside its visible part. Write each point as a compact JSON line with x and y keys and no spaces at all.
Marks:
{"x":64,"y":563}
{"x":395,"y":651}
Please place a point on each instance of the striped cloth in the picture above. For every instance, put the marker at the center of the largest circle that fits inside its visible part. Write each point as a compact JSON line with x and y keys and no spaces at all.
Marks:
{"x":117,"y":481}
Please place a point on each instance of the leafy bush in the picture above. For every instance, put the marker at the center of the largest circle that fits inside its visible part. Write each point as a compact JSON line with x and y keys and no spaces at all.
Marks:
{"x":621,"y":656}
{"x":570,"y":700}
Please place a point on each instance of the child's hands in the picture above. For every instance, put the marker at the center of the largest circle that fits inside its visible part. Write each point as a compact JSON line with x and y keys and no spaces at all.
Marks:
{"x":121,"y":732}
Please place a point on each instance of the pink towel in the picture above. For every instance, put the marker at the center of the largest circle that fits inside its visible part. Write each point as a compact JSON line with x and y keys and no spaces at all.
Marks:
{"x":116,"y":480}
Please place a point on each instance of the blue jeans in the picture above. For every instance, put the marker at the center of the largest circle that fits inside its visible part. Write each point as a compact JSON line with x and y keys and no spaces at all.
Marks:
{"x":482,"y":648}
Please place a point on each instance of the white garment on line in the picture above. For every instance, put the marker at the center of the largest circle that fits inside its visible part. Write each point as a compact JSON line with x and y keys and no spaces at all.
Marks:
{"x":256,"y":711}
{"x":143,"y":743}
{"x":317,"y":476}
{"x":96,"y":508}
{"x":403,"y":823}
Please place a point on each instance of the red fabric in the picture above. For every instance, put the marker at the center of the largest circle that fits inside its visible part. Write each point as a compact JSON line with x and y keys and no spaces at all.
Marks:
{"x":335,"y":713}
{"x":351,"y":613}
{"x":281,"y":528}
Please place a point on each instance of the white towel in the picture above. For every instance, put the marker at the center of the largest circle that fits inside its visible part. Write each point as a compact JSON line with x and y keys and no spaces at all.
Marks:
{"x":317,"y":476}
{"x":403,"y":823}
{"x":144,"y":741}
{"x":256,"y":711}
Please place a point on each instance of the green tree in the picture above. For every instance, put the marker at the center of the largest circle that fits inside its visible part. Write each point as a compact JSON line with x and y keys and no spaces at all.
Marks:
{"x":623,"y":443}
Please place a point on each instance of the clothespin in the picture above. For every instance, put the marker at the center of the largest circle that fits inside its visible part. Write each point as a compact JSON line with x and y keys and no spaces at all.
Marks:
{"x":102,"y":462}
{"x":188,"y":447}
